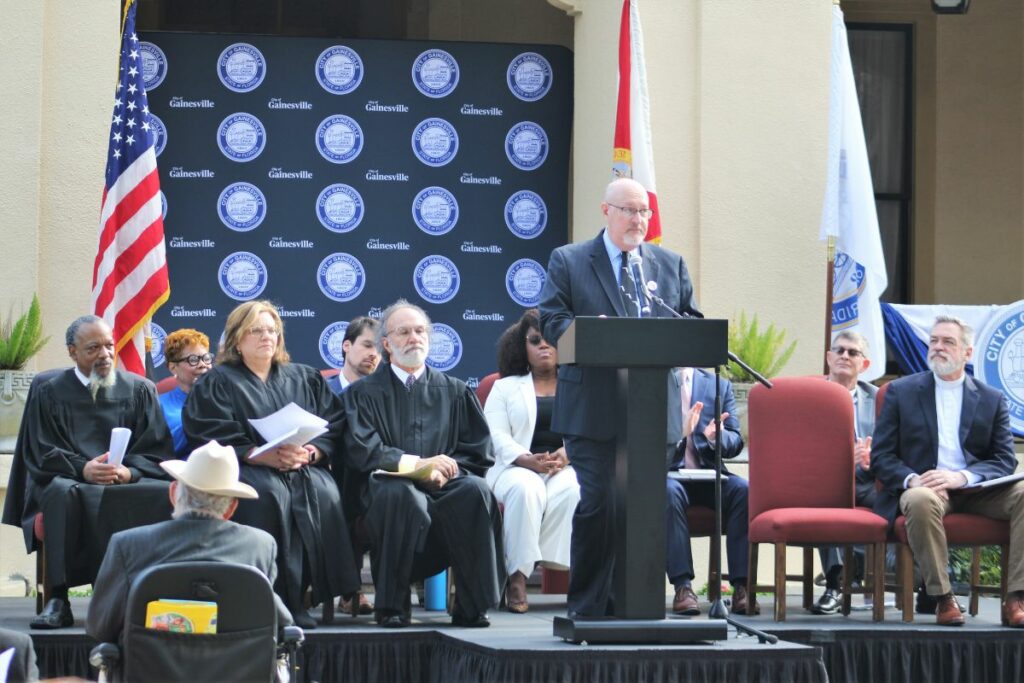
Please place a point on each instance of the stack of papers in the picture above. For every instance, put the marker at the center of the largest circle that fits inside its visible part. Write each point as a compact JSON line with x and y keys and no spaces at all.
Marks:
{"x":693,"y":475}
{"x":291,"y":425}
{"x":421,"y":473}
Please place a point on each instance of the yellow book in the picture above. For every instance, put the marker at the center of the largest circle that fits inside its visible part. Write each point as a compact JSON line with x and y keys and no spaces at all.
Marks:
{"x":182,"y":616}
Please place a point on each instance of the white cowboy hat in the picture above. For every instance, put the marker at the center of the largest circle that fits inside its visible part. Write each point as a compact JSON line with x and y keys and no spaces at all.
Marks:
{"x":211,"y":469}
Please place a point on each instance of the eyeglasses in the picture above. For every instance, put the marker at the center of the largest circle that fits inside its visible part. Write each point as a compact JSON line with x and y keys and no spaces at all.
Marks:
{"x":194,"y":359}
{"x":852,"y":353}
{"x":629,"y":212}
{"x":403,"y":332}
{"x":260,"y":331}
{"x":535,"y":339}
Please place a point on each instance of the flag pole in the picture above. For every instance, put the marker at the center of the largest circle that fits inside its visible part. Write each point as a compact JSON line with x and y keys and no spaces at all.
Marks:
{"x":830,"y":268}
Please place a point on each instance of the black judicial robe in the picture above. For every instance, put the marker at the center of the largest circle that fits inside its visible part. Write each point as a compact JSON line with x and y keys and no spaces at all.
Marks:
{"x":417,"y":533}
{"x":62,"y":429}
{"x":300,"y":509}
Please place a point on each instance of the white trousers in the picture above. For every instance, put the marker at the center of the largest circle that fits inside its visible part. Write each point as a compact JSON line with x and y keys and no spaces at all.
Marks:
{"x":537,"y":517}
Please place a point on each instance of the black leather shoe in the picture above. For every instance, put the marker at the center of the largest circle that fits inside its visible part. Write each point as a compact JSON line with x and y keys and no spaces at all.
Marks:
{"x":479,"y":621}
{"x":303,"y":619}
{"x":56,"y":614}
{"x":394,"y":621}
{"x":830,"y":602}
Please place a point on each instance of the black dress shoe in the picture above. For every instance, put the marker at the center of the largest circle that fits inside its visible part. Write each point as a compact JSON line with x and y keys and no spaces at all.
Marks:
{"x":303,"y":619}
{"x":479,"y":621}
{"x":393,"y":621}
{"x":829,"y":603}
{"x":56,"y":614}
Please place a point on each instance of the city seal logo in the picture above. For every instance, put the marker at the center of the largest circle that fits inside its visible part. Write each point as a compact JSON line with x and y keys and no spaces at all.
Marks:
{"x":436,"y":279}
{"x":241,"y":137}
{"x":241,"y":67}
{"x":526,"y":145}
{"x":163,"y":205}
{"x":243,"y":276}
{"x":154,"y":65}
{"x":445,"y":348}
{"x":159,"y":336}
{"x":339,"y":70}
{"x":529,"y":76}
{"x":339,"y":208}
{"x":339,"y":139}
{"x":524,"y":280}
{"x":241,"y":206}
{"x":435,"y":73}
{"x":435,"y":210}
{"x":999,"y":359}
{"x":159,"y":133}
{"x":526,"y":215}
{"x":341,"y":277}
{"x":846,"y":288}
{"x":331,"y":340}
{"x":435,"y":142}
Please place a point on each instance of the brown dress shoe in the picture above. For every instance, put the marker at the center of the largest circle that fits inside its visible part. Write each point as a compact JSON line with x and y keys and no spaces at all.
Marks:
{"x":947,"y":611}
{"x":515,"y":594}
{"x":685,"y":602}
{"x":1013,"y":610}
{"x":362,"y":606}
{"x":742,"y":604}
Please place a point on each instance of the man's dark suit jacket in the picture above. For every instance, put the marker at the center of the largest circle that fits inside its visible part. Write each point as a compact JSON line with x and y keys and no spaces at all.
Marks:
{"x":703,"y":390}
{"x":581,"y":282}
{"x":186,"y":539}
{"x":906,"y":439}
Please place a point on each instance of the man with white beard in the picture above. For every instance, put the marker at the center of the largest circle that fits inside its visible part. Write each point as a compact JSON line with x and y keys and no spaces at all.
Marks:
{"x":64,"y":447}
{"x":407,"y":417}
{"x":939,"y":432}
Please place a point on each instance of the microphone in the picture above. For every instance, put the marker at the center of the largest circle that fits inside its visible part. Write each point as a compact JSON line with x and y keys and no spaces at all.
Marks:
{"x":636,"y":267}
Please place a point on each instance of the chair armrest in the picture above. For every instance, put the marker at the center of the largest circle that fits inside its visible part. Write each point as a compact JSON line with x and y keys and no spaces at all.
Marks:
{"x":292,"y":635}
{"x":104,"y":655}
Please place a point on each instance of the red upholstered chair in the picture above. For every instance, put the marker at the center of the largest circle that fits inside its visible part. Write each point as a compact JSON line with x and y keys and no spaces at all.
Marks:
{"x":802,"y":483}
{"x":962,"y":529}
{"x":483,"y":390}
{"x":166,"y":384}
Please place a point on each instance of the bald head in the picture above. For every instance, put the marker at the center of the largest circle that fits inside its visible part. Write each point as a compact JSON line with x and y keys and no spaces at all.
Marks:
{"x":623,"y":199}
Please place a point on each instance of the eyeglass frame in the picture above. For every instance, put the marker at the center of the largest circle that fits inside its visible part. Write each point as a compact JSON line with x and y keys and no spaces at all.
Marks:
{"x":260,"y":331}
{"x":847,"y":351}
{"x":630,"y":212}
{"x":193,"y":359}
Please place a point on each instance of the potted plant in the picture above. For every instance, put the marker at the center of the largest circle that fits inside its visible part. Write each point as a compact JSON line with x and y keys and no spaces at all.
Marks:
{"x":764,"y":350}
{"x":19,"y":340}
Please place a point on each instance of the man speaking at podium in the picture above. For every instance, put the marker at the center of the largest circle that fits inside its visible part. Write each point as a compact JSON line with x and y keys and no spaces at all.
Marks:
{"x":596,"y":278}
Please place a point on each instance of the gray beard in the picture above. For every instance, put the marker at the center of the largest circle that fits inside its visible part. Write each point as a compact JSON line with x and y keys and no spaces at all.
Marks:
{"x":96,"y":382}
{"x":941,"y":367}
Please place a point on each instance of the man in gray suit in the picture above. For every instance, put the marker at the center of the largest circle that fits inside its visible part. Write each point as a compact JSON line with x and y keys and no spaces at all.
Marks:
{"x":847,"y":359}
{"x":593,"y":279}
{"x":205,"y":494}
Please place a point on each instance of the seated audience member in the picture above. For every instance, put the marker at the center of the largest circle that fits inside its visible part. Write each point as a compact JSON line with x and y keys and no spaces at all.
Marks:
{"x":64,"y":450}
{"x":846,"y":359}
{"x":403,"y":417}
{"x":691,"y":445}
{"x":205,"y":495}
{"x":531,"y":475}
{"x":188,"y":358}
{"x":299,"y":503}
{"x":22,"y":668}
{"x":361,"y":355}
{"x":939,"y":431}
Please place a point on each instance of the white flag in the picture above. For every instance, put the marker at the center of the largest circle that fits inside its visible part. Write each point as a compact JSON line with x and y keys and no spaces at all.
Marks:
{"x":849,"y":212}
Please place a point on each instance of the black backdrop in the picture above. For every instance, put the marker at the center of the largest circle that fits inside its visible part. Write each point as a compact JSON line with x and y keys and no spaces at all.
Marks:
{"x":334,"y":177}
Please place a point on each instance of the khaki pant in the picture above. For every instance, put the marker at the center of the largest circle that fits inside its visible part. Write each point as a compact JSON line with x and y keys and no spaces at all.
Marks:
{"x":924,"y":511}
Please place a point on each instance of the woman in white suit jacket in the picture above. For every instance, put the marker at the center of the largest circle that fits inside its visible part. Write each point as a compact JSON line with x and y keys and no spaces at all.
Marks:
{"x":531,"y":476}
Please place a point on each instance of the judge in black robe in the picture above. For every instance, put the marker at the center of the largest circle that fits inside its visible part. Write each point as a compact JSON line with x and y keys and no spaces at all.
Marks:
{"x":299,"y":503}
{"x":418,"y":529}
{"x":61,"y":462}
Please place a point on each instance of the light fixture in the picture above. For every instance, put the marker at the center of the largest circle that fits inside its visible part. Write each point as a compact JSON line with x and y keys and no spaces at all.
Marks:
{"x":950,"y":6}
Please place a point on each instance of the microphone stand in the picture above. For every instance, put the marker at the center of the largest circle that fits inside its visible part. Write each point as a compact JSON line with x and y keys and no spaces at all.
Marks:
{"x":717,"y":610}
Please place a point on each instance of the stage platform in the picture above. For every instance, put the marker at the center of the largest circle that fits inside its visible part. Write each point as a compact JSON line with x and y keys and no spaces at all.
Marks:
{"x":521,"y":648}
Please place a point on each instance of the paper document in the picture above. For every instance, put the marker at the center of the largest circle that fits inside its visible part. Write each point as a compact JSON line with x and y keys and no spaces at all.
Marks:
{"x":998,"y":481}
{"x":291,"y":425}
{"x":5,"y":662}
{"x":119,"y":438}
{"x":418,"y":474}
{"x":694,"y":475}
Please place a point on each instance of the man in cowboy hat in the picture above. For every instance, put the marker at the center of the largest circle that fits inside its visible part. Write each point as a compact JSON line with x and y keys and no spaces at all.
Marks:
{"x":204,"y":493}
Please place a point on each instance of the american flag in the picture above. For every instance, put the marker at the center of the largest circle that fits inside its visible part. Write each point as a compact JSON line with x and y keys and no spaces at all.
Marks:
{"x":129,"y":280}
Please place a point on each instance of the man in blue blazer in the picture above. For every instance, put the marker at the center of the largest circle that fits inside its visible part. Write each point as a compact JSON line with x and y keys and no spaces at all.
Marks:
{"x":941,"y":431}
{"x":586,"y":279}
{"x":691,"y":445}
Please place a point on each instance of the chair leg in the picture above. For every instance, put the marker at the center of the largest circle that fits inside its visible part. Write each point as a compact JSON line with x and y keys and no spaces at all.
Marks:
{"x":975,"y":580}
{"x":327,"y":613}
{"x":808,"y":578}
{"x":40,"y":578}
{"x":751,"y":571}
{"x":847,"y":574}
{"x":906,"y":582}
{"x":780,"y":582}
{"x":897,"y":595}
{"x":878,"y":582}
{"x":1004,"y":570}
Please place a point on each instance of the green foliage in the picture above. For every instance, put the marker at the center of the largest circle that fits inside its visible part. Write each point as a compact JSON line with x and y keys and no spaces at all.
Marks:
{"x":960,"y":561}
{"x":764,"y":350}
{"x":22,"y":338}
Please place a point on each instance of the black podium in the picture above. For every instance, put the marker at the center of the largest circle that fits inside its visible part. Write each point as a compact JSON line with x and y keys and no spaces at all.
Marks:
{"x":642,"y":350}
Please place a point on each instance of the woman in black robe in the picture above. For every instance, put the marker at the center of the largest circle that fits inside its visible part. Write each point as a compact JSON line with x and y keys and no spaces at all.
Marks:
{"x":299,"y":503}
